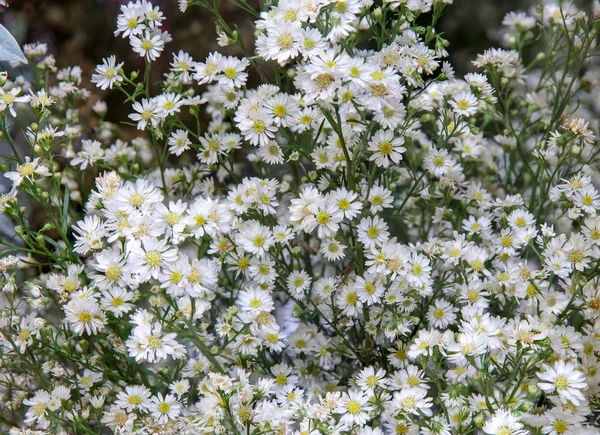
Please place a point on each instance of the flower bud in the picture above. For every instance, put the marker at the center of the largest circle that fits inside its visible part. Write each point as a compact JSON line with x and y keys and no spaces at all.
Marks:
{"x":526,"y":407}
{"x":479,"y":421}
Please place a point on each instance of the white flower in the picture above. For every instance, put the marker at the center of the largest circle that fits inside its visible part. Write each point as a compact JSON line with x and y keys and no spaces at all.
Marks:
{"x":464,"y":103}
{"x":134,"y":397}
{"x":255,"y":238}
{"x":84,"y":315}
{"x":164,"y":408}
{"x":149,"y":255}
{"x":149,"y":343}
{"x":368,"y":379}
{"x":148,"y":45}
{"x":386,"y":147}
{"x":412,"y":400}
{"x":565,"y":380}
{"x":130,"y":21}
{"x":504,"y":422}
{"x":28,"y":170}
{"x":89,"y":234}
{"x":91,"y":152}
{"x":147,"y":112}
{"x":108,"y":74}
{"x":232,"y":70}
{"x":179,"y":142}
{"x":372,"y":231}
{"x":9,"y":98}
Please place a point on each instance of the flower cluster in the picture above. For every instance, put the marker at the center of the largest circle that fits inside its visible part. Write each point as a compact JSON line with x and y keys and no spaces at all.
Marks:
{"x":362,"y":243}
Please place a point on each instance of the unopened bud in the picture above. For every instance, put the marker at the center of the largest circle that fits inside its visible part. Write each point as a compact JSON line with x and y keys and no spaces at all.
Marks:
{"x":479,"y":421}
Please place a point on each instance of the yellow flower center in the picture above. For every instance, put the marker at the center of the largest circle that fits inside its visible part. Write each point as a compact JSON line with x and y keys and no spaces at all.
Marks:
{"x":113,"y":273}
{"x":153,"y":258}
{"x":385,"y":148}
{"x":285,"y":41}
{"x":372,"y":232}
{"x":353,"y":406}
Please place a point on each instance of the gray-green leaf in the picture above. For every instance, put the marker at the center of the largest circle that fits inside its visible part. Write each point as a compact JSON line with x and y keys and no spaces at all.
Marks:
{"x":9,"y":47}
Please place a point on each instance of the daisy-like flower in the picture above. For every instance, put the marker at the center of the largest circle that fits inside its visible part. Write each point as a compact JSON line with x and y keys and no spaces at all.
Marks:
{"x":149,"y":343}
{"x":328,"y":217}
{"x":91,"y":152}
{"x":28,"y":170}
{"x":179,"y":388}
{"x":147,"y":112}
{"x":173,"y":277}
{"x":332,"y":250}
{"x":172,"y":218}
{"x":89,"y":234}
{"x":438,"y":162}
{"x":372,"y":231}
{"x":179,"y":142}
{"x":168,"y":104}
{"x":562,"y":422}
{"x":257,"y":126}
{"x":354,"y":407}
{"x":368,"y":379}
{"x":441,"y":314}
{"x":254,"y":238}
{"x":271,"y":153}
{"x":232,"y":70}
{"x":108,"y":74}
{"x":283,"y":377}
{"x":565,"y":380}
{"x":588,"y":199}
{"x":369,"y":288}
{"x":386,"y":147}
{"x":116,"y":301}
{"x":206,"y":72}
{"x":413,"y":400}
{"x":504,"y":422}
{"x":346,"y":202}
{"x":379,"y":198}
{"x":148,"y":255}
{"x":256,"y":301}
{"x":38,"y":408}
{"x":130,"y":21}
{"x":84,"y":315}
{"x":9,"y":97}
{"x":148,"y":45}
{"x":183,"y":64}
{"x":164,"y":408}
{"x":281,"y":43}
{"x":298,"y":282}
{"x":134,"y":397}
{"x":464,"y":103}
